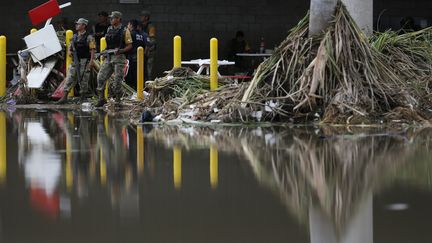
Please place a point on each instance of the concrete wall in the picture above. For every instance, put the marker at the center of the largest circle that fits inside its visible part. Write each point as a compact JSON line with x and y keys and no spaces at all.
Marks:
{"x":199,"y":20}
{"x":195,"y":20}
{"x":392,"y":11}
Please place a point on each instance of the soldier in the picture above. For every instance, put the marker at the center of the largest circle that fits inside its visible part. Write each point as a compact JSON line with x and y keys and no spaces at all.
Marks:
{"x":100,"y":28}
{"x":150,"y":29}
{"x":82,"y":48}
{"x":118,"y":39}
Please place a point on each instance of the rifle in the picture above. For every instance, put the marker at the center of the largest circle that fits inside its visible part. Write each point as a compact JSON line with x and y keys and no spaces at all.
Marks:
{"x":76,"y":61}
{"x":106,"y":53}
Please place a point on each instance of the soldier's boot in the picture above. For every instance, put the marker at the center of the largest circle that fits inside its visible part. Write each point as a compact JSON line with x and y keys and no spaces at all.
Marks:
{"x":83,"y":97}
{"x":101,"y":99}
{"x":63,"y":99}
{"x":118,"y":98}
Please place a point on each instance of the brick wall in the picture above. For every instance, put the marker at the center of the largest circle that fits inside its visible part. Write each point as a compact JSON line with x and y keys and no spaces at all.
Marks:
{"x":199,"y":20}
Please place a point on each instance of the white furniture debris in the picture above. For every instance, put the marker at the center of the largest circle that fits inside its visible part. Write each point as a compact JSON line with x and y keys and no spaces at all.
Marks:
{"x":39,"y":74}
{"x":43,"y":43}
{"x":205,"y":64}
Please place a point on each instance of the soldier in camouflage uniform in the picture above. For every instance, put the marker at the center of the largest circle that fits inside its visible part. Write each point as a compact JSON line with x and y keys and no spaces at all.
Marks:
{"x":117,"y":38}
{"x":84,"y":46}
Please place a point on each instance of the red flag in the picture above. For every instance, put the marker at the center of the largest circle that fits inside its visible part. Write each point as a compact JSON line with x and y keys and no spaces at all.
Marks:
{"x":44,"y":12}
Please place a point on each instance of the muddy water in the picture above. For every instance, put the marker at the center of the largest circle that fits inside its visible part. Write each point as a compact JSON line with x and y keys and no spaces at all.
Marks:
{"x":89,"y":177}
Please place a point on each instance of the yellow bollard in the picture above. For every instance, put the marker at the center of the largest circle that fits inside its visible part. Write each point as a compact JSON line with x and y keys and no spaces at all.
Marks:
{"x":177,"y":51}
{"x":214,"y":167}
{"x":3,"y":149}
{"x":2,"y":66}
{"x":140,"y":73}
{"x":33,"y":30}
{"x":213,"y":64}
{"x":69,"y":36}
{"x":103,"y":46}
{"x":177,"y":167}
{"x":140,"y":151}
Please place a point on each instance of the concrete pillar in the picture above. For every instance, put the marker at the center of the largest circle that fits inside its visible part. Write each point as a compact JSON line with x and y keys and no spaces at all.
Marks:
{"x":358,"y":229}
{"x":321,"y":12}
{"x":362,"y":13}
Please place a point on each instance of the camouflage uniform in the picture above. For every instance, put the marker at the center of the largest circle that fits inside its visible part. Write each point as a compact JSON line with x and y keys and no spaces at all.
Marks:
{"x":114,"y":64}
{"x":84,"y":66}
{"x":150,"y":29}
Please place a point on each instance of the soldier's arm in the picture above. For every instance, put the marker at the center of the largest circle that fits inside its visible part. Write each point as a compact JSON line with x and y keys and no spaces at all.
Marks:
{"x":152,"y":31}
{"x":92,"y":46}
{"x":128,"y":41}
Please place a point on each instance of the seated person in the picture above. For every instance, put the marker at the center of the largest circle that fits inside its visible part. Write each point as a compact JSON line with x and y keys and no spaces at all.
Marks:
{"x":407,"y":25}
{"x":239,"y":45}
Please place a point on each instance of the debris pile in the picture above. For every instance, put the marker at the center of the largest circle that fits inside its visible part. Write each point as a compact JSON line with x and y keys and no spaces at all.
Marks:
{"x":341,"y":76}
{"x":184,"y":94}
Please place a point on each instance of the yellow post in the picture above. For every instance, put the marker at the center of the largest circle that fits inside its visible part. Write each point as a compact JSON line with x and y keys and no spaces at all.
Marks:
{"x":214,"y":167}
{"x":103,"y":46}
{"x":213,"y":64}
{"x":69,"y":36}
{"x":2,"y":66}
{"x":140,"y":150}
{"x":177,"y":51}
{"x":33,"y":30}
{"x":140,"y":73}
{"x":3,"y":149}
{"x":177,"y":167}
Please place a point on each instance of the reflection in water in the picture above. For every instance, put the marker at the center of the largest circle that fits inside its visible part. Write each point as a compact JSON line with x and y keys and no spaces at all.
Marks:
{"x":3,"y":148}
{"x":140,"y":150}
{"x":214,"y":177}
{"x":327,"y":180}
{"x":177,"y":167}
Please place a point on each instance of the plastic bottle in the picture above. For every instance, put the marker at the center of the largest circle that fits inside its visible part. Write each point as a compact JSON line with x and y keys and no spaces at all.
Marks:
{"x":262,"y":45}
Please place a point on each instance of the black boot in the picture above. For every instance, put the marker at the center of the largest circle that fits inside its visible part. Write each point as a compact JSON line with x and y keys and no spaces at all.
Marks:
{"x":83,"y":98}
{"x":63,"y":99}
{"x":118,"y":97}
{"x":101,"y":100}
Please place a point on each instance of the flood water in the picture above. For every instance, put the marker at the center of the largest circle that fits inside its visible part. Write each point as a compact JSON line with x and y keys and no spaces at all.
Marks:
{"x":91,"y":177}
